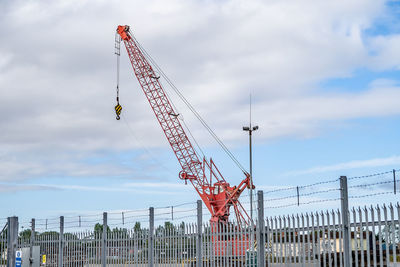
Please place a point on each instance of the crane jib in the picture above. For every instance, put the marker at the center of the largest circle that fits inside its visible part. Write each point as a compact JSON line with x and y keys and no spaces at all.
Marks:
{"x":205,"y":177}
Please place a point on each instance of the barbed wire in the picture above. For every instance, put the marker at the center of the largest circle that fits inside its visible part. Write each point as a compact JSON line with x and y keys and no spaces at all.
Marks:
{"x":184,"y":217}
{"x":118,"y":221}
{"x":319,"y":192}
{"x":112,"y":213}
{"x":373,"y":194}
{"x":114,"y":219}
{"x":183,"y":204}
{"x":302,"y":203}
{"x":57,"y":223}
{"x":301,"y":186}
{"x":127,"y":211}
{"x":299,"y":195}
{"x":47,"y":229}
{"x":86,"y":218}
{"x":302,"y":195}
{"x":279,"y":190}
{"x":319,"y":183}
{"x":142,"y":216}
{"x":372,"y":175}
{"x":184,"y":211}
{"x":372,"y":184}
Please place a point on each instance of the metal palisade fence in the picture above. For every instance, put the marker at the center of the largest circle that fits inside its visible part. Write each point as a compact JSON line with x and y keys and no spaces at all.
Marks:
{"x":362,"y":236}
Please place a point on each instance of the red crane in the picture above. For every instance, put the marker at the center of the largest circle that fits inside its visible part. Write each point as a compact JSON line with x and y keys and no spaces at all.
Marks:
{"x":205,"y":177}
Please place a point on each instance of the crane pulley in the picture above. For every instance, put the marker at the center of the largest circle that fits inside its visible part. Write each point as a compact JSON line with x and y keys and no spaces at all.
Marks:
{"x":203,"y":174}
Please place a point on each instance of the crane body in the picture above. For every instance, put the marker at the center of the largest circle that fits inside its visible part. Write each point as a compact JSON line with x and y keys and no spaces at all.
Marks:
{"x":203,"y":174}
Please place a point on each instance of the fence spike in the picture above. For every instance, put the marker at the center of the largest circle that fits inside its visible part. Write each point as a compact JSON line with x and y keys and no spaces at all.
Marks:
{"x":365,"y":209}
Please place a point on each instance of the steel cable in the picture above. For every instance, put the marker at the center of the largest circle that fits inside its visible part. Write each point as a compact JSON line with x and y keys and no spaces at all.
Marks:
{"x":192,"y":109}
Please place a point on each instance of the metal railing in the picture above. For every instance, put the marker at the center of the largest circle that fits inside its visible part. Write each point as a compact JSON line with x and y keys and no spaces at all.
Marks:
{"x":3,"y":245}
{"x":317,"y":239}
{"x":362,"y":236}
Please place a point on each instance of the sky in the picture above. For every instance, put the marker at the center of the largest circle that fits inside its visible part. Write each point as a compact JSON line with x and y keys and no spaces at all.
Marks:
{"x":323,"y":77}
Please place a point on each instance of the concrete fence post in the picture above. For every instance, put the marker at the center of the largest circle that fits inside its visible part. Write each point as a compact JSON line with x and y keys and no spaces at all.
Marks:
{"x":104,"y":241}
{"x":344,"y":198}
{"x":260,"y":229}
{"x":61,"y":243}
{"x":151,"y":237}
{"x":199,"y":243}
{"x":12,"y":240}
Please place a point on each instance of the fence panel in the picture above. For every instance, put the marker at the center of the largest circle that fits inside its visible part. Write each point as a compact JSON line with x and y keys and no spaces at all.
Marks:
{"x":3,"y":243}
{"x":317,"y":239}
{"x":310,"y":239}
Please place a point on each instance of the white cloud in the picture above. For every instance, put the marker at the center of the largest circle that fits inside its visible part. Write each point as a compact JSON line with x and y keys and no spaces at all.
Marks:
{"x":137,"y":188}
{"x":354,"y":164}
{"x":57,"y":79}
{"x":385,"y":53}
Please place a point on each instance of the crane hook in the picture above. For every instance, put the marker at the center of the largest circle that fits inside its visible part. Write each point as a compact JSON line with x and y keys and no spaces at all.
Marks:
{"x":118,"y":109}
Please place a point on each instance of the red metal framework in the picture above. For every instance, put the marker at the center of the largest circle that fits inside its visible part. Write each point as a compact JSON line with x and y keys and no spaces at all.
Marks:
{"x":205,"y":177}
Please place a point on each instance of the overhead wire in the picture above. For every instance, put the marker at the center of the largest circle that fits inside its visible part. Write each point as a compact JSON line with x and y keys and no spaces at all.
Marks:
{"x":191,"y":108}
{"x":143,"y":147}
{"x":170,"y":101}
{"x":185,"y":125}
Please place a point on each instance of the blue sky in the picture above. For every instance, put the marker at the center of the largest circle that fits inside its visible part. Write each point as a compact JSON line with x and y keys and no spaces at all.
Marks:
{"x":325,"y":89}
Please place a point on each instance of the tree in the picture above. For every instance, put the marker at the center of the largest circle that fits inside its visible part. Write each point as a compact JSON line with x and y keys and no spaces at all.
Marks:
{"x":168,"y":226}
{"x":26,"y":234}
{"x":120,"y":232}
{"x":137,"y":228}
{"x":49,"y":234}
{"x":182,"y":227}
{"x":69,"y":236}
{"x":98,"y":229}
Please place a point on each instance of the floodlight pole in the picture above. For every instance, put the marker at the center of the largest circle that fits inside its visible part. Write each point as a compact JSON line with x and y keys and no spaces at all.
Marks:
{"x":250,"y":129}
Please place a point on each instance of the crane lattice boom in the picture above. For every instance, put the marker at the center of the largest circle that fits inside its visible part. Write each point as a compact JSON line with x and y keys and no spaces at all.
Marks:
{"x":209,"y":183}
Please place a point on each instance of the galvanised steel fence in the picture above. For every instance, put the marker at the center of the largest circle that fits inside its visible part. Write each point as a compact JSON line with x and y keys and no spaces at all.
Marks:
{"x":3,"y":245}
{"x":317,"y":239}
{"x":362,"y":236}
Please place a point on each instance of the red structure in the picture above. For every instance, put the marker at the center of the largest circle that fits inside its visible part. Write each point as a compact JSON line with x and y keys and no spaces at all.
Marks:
{"x":205,"y":177}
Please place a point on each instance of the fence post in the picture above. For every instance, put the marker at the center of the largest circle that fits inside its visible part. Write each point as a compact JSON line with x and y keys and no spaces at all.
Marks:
{"x":12,"y":240}
{"x":61,"y":243}
{"x":32,"y":242}
{"x":344,"y":198}
{"x":151,"y":237}
{"x":260,"y":229}
{"x":199,"y":245}
{"x":104,"y":241}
